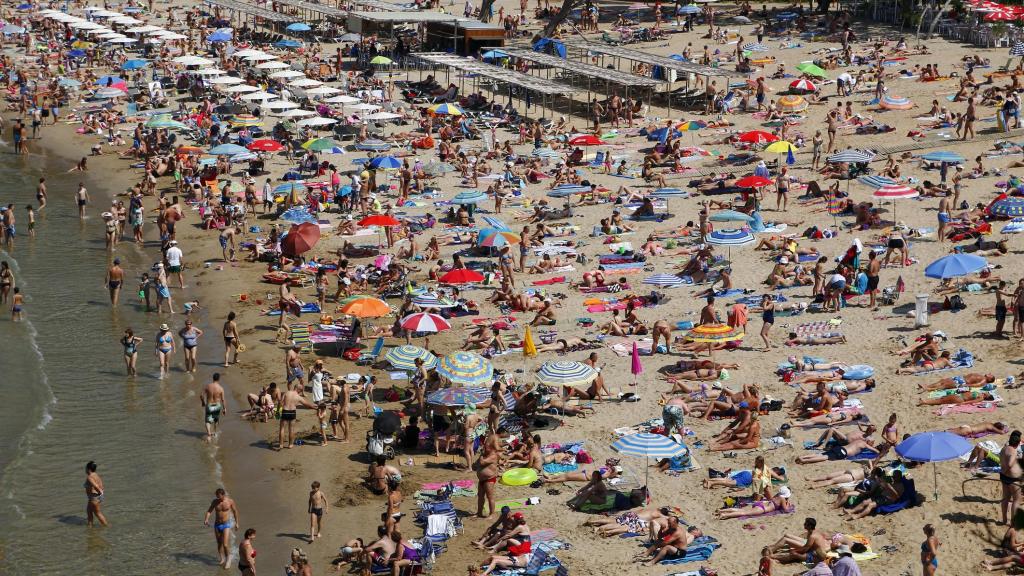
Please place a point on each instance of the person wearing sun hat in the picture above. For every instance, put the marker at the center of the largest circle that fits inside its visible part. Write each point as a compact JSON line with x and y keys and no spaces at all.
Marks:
{"x":845,"y":565}
{"x":164,"y":348}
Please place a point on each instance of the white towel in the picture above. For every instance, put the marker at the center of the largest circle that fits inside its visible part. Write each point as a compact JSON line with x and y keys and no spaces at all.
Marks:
{"x":437,"y":524}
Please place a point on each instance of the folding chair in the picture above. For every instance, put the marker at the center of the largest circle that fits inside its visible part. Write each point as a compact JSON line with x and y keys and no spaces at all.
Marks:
{"x":370,"y":357}
{"x":299,"y":334}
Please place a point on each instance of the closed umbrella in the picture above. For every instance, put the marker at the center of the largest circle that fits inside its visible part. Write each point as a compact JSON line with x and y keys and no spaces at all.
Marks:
{"x":300,"y":239}
{"x":636,"y":368}
{"x":934,"y":447}
{"x":529,"y":347}
{"x":565,"y":373}
{"x":648,"y":446}
{"x":955,"y":266}
{"x":466,"y":368}
{"x":404,"y":357}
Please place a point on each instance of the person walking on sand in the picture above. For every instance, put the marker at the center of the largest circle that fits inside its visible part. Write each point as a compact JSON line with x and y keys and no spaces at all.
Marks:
{"x":487,"y":476}
{"x":115,"y":280}
{"x":212,"y":399}
{"x":930,"y":551}
{"x":225,"y":517}
{"x":768,"y":319}
{"x":293,"y":367}
{"x":317,"y":509}
{"x":94,"y":496}
{"x":874,"y":268}
{"x":82,"y":198}
{"x":130,"y":342}
{"x":190,"y":342}
{"x":173,"y":257}
{"x":291,"y":400}
{"x":247,"y":554}
{"x":231,"y":342}
{"x":1010,"y":475}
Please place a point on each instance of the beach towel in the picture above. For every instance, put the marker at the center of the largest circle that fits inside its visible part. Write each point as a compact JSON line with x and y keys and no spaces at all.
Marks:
{"x":820,"y":327}
{"x":979,"y":407}
{"x":959,"y":360}
{"x":603,"y":289}
{"x":439,"y":485}
{"x":699,"y":550}
{"x":556,"y":468}
{"x":549,"y":281}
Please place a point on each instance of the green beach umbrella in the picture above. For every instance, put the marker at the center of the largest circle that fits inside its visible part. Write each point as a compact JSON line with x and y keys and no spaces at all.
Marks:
{"x":165,"y":121}
{"x":321,"y":144}
{"x":812,"y":69}
{"x":381,"y":60}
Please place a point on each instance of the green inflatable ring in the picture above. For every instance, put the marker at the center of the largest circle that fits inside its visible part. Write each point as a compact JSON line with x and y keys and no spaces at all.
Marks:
{"x":519,"y":477}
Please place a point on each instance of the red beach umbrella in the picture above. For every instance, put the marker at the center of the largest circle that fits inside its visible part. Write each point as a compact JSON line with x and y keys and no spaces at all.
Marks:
{"x":758,"y":137}
{"x":379,"y":220}
{"x":803,"y":85}
{"x":586,"y":140}
{"x":461,"y":276}
{"x":300,"y":239}
{"x":424,"y":322}
{"x":753,"y":182}
{"x":265,"y":145}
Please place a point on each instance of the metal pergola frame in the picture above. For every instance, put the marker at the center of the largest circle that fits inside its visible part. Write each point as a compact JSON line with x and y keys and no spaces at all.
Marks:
{"x":242,"y":8}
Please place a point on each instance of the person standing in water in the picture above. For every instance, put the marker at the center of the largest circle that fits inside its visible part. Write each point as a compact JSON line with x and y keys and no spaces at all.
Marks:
{"x":82,"y":196}
{"x":31,"y":220}
{"x":164,"y":348}
{"x":247,"y":554}
{"x":231,"y":343}
{"x":94,"y":495}
{"x":317,"y":509}
{"x":6,"y":281}
{"x":213,"y":405}
{"x":115,"y":280}
{"x":17,"y":306}
{"x":225,"y":517}
{"x":131,"y":350}
{"x":190,"y":342}
{"x":41,"y":193}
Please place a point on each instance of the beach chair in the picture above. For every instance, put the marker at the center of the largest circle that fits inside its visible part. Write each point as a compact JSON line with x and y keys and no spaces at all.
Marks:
{"x":538,"y":560}
{"x":598,"y":160}
{"x":367,"y":358}
{"x":298,"y":333}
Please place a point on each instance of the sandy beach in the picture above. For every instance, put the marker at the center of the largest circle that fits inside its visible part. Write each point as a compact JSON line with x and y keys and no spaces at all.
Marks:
{"x":271,"y":487}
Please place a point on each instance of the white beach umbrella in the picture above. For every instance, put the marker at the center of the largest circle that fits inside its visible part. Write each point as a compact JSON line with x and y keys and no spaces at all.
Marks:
{"x":364,"y":106}
{"x":143,"y":29}
{"x":261,"y":95}
{"x":209,"y":72}
{"x":272,"y":65}
{"x":287,"y":74}
{"x":343,"y":99}
{"x":126,"y":20}
{"x":279,"y":104}
{"x":123,"y":40}
{"x":101,"y":13}
{"x":247,"y":52}
{"x":304,"y":83}
{"x":297,"y":113}
{"x":98,"y":31}
{"x":226,"y":80}
{"x":192,"y":60}
{"x":62,"y":17}
{"x":111,"y":35}
{"x":322,"y":91}
{"x":382,"y":116}
{"x":86,"y":25}
{"x":318,"y":121}
{"x":261,"y":57}
{"x":241,"y":88}
{"x":158,"y":33}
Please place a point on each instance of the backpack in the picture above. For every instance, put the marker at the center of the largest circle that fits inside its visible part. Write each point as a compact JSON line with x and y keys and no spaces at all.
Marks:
{"x":956,"y":302}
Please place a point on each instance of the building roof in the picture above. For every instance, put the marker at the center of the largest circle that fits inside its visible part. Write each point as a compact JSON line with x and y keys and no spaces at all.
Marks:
{"x":251,"y":10}
{"x":498,"y":73}
{"x":595,"y":72}
{"x":652,"y":59}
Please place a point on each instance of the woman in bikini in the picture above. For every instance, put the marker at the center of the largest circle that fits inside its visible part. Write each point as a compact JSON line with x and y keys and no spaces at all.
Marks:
{"x":165,"y":347}
{"x":94,"y":495}
{"x":780,"y":503}
{"x":517,"y":544}
{"x":830,"y":419}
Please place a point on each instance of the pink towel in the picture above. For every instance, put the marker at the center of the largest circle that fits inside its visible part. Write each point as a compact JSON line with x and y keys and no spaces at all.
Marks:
{"x":457,"y":483}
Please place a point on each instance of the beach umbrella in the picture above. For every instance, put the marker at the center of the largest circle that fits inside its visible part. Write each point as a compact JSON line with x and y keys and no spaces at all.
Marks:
{"x":275,"y":104}
{"x":192,"y":61}
{"x":265,"y":145}
{"x":469,"y":197}
{"x":688,"y":9}
{"x":955,"y":266}
{"x":285,"y":74}
{"x":851,"y":156}
{"x":1017,"y":49}
{"x":875,"y":180}
{"x":461,"y":276}
{"x":461,"y":396}
{"x":261,"y":57}
{"x":300,"y":239}
{"x":545,"y":152}
{"x":731,"y":216}
{"x":586,"y":140}
{"x":365,"y":307}
{"x":381,"y":60}
{"x":165,"y":121}
{"x":379,"y":220}
{"x":934,"y":447}
{"x":1008,"y":208}
{"x":304,"y":83}
{"x":272,"y":65}
{"x":365,"y":106}
{"x":895,"y":192}
{"x":755,"y":47}
{"x":226,"y":150}
{"x":691,"y":126}
{"x":565,"y":373}
{"x":343,"y":99}
{"x":779,"y":147}
{"x":446,"y":108}
{"x":298,"y":27}
{"x":325,"y":91}
{"x":226,"y":80}
{"x":287,"y":44}
{"x":112,"y":82}
{"x":943,"y":156}
{"x":791,"y":103}
{"x":466,"y":368}
{"x":259,"y":95}
{"x":134,"y":64}
{"x":802,"y":85}
{"x":240,"y":88}
{"x":432,"y":301}
{"x":758,"y":137}
{"x":711,"y":334}
{"x":648,"y":446}
{"x":109,"y":93}
{"x":297,"y":113}
{"x":753,"y":182}
{"x":636,"y":368}
{"x":529,"y":347}
{"x":380,"y":115}
{"x":493,"y":55}
{"x":891,"y":102}
{"x":317,"y":121}
{"x":385,"y":163}
{"x":373,"y":145}
{"x":122,"y":40}
{"x":811,"y":69}
{"x":208,"y":72}
{"x":730,"y":238}
{"x":320,"y":144}
{"x":664,"y":281}
{"x":494,"y":238}
{"x":404,"y":357}
{"x":425,"y":322}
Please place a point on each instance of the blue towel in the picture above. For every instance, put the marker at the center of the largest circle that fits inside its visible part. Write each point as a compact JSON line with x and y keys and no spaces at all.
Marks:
{"x":755,"y":299}
{"x":728,"y":293}
{"x":556,"y":468}
{"x":699,"y":551}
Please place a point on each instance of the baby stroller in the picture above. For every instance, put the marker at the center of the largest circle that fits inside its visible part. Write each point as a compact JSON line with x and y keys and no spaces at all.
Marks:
{"x":381,"y":438}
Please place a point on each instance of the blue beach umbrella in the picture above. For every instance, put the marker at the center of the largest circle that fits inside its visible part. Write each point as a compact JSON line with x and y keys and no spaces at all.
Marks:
{"x":134,"y":64}
{"x":468,"y":396}
{"x":493,"y":54}
{"x":469,"y":197}
{"x":934,"y":447}
{"x":221,"y":35}
{"x":851,"y":156}
{"x":566,"y":373}
{"x":227,"y":150}
{"x":649,"y":446}
{"x":287,"y":44}
{"x":943,"y":156}
{"x":109,"y":80}
{"x":385,"y":163}
{"x":730,"y":238}
{"x":496,"y":223}
{"x":730,"y":216}
{"x":298,"y":27}
{"x":666,"y":193}
{"x":77,"y":53}
{"x":404,"y":357}
{"x":1008,"y":207}
{"x":955,"y":266}
{"x":876,"y":181}
{"x":298,"y":215}
{"x":688,"y":9}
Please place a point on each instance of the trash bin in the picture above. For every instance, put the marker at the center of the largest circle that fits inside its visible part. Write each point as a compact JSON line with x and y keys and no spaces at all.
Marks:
{"x":921,"y":311}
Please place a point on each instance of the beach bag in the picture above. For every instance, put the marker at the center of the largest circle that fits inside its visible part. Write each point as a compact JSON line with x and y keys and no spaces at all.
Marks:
{"x":351,"y":354}
{"x":375,"y":446}
{"x":956,"y":302}
{"x":582,"y":259}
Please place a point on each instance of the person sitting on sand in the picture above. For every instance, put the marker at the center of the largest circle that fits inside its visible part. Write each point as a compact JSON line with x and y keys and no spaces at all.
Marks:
{"x":845,"y":416}
{"x":748,"y":438}
{"x":545,"y":316}
{"x":547,"y":264}
{"x":595,"y":391}
{"x":744,"y":478}
{"x":943,"y":361}
{"x":889,"y":492}
{"x":671,"y":542}
{"x":838,"y":452}
{"x":972,"y":380}
{"x":814,"y":339}
{"x":516,"y":544}
{"x":967,"y":397}
{"x":484,"y":336}
{"x":977,"y":430}
{"x":779,"y":503}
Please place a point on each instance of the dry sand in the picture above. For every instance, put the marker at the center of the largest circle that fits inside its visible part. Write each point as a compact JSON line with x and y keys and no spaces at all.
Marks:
{"x":271,"y":487}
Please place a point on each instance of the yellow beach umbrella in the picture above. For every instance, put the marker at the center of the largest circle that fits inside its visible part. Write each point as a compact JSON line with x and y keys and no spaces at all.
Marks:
{"x":778,"y":147}
{"x":793,"y":103}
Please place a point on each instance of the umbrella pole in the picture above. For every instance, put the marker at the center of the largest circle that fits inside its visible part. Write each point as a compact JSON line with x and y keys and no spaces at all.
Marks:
{"x":935,"y":477}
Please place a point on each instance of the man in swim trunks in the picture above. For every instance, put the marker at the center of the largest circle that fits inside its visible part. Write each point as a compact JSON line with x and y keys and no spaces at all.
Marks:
{"x":812,"y":547}
{"x":293,"y":368}
{"x":317,"y":508}
{"x":225,"y":516}
{"x":115,"y":279}
{"x":1010,"y":474}
{"x":672,"y":412}
{"x":212,"y":399}
{"x":291,"y":400}
{"x":967,"y":381}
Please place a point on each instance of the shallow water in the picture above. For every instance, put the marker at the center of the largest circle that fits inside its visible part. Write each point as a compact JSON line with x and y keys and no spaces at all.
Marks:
{"x":66,"y":401}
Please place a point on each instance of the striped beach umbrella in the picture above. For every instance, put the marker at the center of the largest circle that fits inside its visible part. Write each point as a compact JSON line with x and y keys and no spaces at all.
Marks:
{"x":802,"y":85}
{"x":1008,"y":208}
{"x":648,"y":446}
{"x":896,"y":192}
{"x":467,"y":368}
{"x":891,"y":102}
{"x":730,"y":238}
{"x":244,"y":120}
{"x":289,"y":187}
{"x":755,"y":47}
{"x":432,"y":301}
{"x":461,"y":396}
{"x":792,"y":103}
{"x":404,"y":357}
{"x":469,"y":197}
{"x":1017,"y":49}
{"x":852,"y":156}
{"x":373,"y":145}
{"x":876,"y":181}
{"x":714,"y":333}
{"x":666,"y":193}
{"x":943,"y":156}
{"x":565,"y":373}
{"x":545,"y":152}
{"x":447,"y":109}
{"x":319,"y":144}
{"x":664,"y":281}
{"x":691,"y":126}
{"x":494,"y":238}
{"x":425,"y":322}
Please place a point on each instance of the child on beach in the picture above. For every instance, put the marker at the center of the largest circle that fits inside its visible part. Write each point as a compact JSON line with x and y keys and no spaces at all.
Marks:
{"x":317,"y":509}
{"x":321,"y":417}
{"x":145,"y":284}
